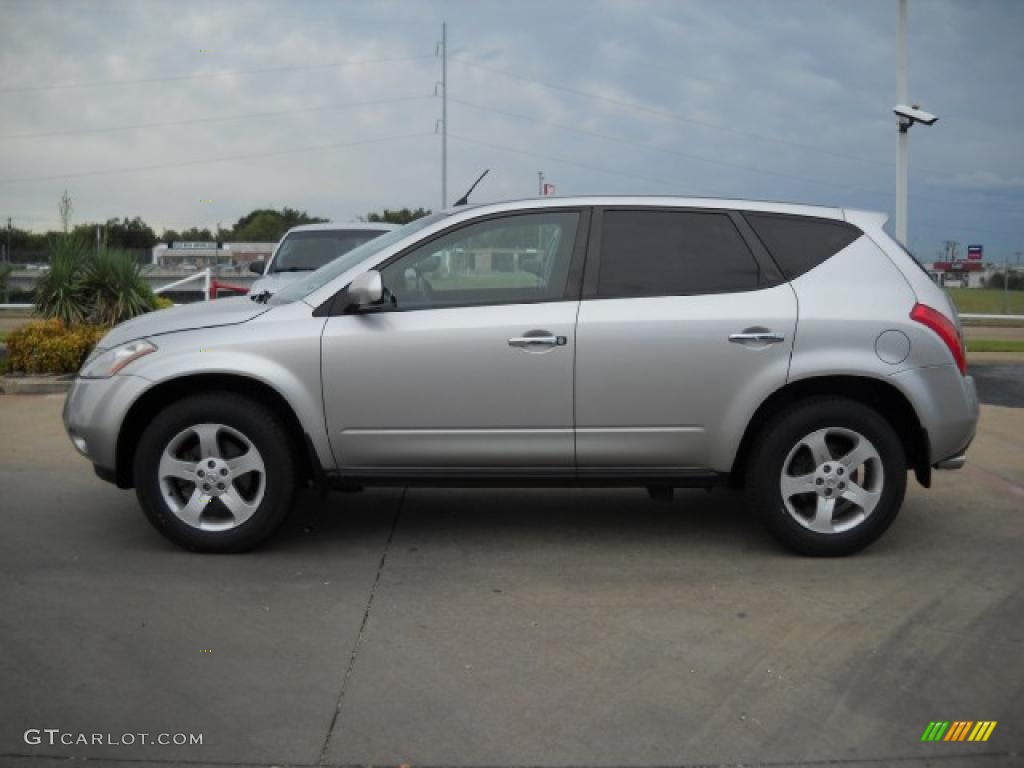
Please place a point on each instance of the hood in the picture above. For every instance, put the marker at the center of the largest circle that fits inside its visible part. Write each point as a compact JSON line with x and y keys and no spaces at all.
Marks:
{"x":275,"y":281}
{"x":187,"y":317}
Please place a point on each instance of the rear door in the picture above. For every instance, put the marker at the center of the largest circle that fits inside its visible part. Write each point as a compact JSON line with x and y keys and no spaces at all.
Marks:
{"x":684,"y":327}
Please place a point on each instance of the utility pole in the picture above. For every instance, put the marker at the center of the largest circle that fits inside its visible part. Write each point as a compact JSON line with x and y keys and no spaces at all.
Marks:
{"x":443,"y":46}
{"x":540,"y":183}
{"x":8,"y":256}
{"x":901,"y":140}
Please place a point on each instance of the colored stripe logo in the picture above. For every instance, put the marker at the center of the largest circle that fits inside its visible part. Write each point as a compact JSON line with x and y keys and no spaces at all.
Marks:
{"x":959,"y":730}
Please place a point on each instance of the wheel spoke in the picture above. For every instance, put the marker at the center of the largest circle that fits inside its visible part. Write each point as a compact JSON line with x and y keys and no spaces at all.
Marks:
{"x":172,"y":467}
{"x":860,"y":453}
{"x":249,"y":461}
{"x":815,"y":443}
{"x":822,"y":522}
{"x":793,"y":485}
{"x":241,"y":509}
{"x":861,"y":496}
{"x":207,"y":434}
{"x":192,"y":511}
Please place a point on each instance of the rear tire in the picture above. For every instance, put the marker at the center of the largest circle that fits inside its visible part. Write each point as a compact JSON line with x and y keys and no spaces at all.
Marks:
{"x":827,"y":476}
{"x":215,"y":473}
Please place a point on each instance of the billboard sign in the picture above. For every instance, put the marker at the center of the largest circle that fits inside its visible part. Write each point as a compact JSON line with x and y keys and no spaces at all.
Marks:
{"x":974,"y":252}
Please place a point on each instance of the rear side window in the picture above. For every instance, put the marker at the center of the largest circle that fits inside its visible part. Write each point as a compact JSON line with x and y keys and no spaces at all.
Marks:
{"x":800,"y":243}
{"x":673,"y":253}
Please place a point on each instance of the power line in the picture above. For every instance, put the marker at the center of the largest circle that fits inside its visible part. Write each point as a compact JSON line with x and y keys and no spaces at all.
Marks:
{"x":211,"y":161}
{"x":652,"y":147}
{"x":704,"y":193}
{"x":222,"y":119}
{"x":715,"y":161}
{"x":663,"y":113}
{"x":207,"y":74}
{"x":668,"y":115}
{"x":564,"y":161}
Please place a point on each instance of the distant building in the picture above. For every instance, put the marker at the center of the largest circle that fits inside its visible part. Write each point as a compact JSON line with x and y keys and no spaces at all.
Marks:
{"x":960,"y":274}
{"x":182,"y":255}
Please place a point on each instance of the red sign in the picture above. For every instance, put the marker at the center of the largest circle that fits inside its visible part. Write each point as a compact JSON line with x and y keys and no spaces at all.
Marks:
{"x":549,"y":189}
{"x":974,"y":252}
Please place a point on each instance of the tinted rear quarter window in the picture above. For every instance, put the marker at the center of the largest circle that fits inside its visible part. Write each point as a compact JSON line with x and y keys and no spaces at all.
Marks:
{"x":800,"y":243}
{"x":673,"y":253}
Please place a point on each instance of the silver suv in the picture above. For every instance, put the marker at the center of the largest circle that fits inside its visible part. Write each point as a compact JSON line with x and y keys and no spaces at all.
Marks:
{"x":796,"y":351}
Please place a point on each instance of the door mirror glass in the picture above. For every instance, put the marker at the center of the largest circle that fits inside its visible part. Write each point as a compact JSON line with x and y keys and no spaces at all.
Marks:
{"x":366,"y":290}
{"x":257,"y":267}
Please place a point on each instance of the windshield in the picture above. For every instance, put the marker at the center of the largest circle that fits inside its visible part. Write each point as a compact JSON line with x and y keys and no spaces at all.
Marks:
{"x":300,"y":289}
{"x":306,"y":251}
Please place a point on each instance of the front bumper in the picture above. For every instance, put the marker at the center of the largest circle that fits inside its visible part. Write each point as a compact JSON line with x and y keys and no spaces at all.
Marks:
{"x":94,"y":411}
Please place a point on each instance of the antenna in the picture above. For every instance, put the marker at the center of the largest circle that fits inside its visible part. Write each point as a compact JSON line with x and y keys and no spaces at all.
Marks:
{"x":465,"y":198}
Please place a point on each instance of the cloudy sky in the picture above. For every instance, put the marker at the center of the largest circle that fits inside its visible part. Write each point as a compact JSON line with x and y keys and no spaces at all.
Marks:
{"x":195,"y":113}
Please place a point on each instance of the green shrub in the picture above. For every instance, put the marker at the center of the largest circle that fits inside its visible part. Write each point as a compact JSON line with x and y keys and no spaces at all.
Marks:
{"x":60,"y":292}
{"x":162,"y":302}
{"x":50,"y":346}
{"x":103,"y":288}
{"x":115,"y":289}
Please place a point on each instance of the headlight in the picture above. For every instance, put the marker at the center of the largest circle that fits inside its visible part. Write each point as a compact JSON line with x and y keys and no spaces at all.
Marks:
{"x":102,"y":365}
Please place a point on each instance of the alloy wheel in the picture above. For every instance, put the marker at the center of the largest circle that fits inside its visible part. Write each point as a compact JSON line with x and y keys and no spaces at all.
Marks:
{"x":832,"y":480}
{"x":212,"y":477}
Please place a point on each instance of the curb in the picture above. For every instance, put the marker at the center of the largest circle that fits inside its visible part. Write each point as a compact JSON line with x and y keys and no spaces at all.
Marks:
{"x":35,"y":385}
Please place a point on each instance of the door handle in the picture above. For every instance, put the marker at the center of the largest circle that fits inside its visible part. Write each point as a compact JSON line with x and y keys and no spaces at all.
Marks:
{"x":762,"y":337}
{"x":537,"y":341}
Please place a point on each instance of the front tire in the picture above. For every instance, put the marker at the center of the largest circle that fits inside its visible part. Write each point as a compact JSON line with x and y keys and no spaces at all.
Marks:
{"x":827,"y":476}
{"x":215,"y":473}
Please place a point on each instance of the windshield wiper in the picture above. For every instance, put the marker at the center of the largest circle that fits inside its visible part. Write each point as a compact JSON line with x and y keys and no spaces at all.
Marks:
{"x":294,"y":269}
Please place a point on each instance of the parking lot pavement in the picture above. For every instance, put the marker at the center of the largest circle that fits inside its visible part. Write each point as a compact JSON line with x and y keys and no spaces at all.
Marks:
{"x":508,"y":628}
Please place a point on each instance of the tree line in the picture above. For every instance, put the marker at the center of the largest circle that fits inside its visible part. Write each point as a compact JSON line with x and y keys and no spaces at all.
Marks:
{"x":263,"y":225}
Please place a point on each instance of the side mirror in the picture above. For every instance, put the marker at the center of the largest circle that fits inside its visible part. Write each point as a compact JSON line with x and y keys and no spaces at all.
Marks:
{"x":365,"y":290}
{"x":257,"y":267}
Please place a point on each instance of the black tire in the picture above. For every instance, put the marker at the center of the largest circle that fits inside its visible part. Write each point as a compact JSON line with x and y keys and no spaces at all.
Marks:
{"x":257,"y":424}
{"x":783,"y":433}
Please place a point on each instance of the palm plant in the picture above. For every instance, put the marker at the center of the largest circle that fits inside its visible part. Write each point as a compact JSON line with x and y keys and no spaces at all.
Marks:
{"x":115,"y":288}
{"x":60,"y":292}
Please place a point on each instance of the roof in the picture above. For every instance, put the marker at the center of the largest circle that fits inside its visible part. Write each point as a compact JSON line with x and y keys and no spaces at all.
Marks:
{"x":361,"y":226}
{"x":770,"y":206}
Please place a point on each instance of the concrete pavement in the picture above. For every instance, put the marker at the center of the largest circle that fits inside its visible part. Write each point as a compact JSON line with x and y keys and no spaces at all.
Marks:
{"x":508,"y":628}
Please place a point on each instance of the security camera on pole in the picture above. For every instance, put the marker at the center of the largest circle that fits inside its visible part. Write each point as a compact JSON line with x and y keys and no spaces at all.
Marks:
{"x":906,"y":116}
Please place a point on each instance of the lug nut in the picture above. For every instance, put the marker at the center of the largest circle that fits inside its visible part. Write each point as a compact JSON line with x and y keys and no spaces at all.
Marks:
{"x":839,"y":471}
{"x":201,"y":473}
{"x":224,"y":472}
{"x":819,"y":481}
{"x":828,"y":491}
{"x":206,"y":486}
{"x":842,"y":486}
{"x":221,"y":486}
{"x":828,"y":467}
{"x":211,"y":464}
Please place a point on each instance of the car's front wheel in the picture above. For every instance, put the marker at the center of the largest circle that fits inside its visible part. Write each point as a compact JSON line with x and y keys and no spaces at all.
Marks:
{"x":215,"y":473}
{"x":827,"y":476}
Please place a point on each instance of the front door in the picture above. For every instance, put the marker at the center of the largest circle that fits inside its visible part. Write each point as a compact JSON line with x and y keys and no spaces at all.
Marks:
{"x":469,"y":363}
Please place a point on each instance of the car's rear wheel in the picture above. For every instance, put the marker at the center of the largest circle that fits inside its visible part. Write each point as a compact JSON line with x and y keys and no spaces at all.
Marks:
{"x":215,"y":473}
{"x":827,"y":476}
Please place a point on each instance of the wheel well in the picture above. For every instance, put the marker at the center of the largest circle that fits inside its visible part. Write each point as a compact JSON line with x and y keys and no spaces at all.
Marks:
{"x":883,"y":397}
{"x":168,"y":392}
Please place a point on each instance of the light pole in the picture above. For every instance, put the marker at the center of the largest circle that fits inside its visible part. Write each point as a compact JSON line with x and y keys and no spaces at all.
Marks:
{"x":906,"y":116}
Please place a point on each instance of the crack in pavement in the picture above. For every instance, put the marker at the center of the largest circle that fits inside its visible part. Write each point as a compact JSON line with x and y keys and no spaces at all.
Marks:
{"x":359,"y":635}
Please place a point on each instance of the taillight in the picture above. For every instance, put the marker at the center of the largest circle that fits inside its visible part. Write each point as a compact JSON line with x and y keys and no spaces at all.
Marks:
{"x":946,"y":331}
